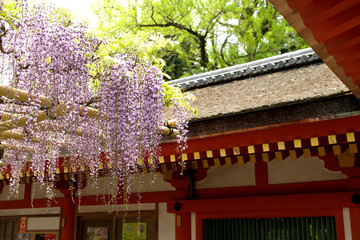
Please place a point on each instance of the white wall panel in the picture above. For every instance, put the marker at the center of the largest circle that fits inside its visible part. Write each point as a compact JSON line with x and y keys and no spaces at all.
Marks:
{"x":146,"y":182}
{"x":5,"y":194}
{"x":30,"y":211}
{"x":228,"y":176}
{"x":43,"y":223}
{"x":119,"y":208}
{"x":39,"y":192}
{"x":300,"y":170}
{"x":166,"y":224}
{"x":347,"y":223}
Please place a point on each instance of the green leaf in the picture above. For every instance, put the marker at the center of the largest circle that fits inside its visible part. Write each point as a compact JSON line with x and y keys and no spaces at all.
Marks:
{"x":48,"y":60}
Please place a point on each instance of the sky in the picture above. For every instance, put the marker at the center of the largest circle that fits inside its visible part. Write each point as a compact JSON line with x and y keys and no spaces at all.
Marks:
{"x":80,"y":7}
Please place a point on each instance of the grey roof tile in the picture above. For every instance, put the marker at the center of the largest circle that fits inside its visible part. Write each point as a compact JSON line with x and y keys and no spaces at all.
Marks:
{"x":246,"y":69}
{"x":271,"y":90}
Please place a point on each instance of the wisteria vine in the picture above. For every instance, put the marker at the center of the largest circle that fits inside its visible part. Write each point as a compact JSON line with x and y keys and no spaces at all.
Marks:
{"x":47,"y":57}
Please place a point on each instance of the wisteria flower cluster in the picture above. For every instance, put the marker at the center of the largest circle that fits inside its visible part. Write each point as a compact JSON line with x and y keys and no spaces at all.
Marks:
{"x":46,"y":57}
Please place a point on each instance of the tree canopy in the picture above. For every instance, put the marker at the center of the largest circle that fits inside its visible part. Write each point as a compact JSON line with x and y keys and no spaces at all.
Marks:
{"x":203,"y":35}
{"x":78,"y":101}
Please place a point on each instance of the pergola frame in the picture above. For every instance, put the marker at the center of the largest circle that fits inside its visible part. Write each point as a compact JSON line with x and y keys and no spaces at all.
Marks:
{"x":13,"y":121}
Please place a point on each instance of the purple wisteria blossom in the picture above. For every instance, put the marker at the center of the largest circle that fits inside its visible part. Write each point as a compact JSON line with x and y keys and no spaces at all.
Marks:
{"x":46,"y":57}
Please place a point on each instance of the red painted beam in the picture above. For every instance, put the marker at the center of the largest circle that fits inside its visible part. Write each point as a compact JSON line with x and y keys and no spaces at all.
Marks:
{"x":351,"y":68}
{"x":333,"y":23}
{"x":356,"y":79}
{"x":183,"y":226}
{"x":355,"y":220}
{"x":352,"y":184}
{"x":338,"y":44}
{"x":149,"y":197}
{"x":278,"y":213}
{"x":274,"y":133}
{"x":36,"y":203}
{"x":262,"y":188}
{"x":349,"y":54}
{"x":68,"y":216}
{"x":296,"y":4}
{"x":327,"y":28}
{"x":316,"y":12}
{"x":259,"y":203}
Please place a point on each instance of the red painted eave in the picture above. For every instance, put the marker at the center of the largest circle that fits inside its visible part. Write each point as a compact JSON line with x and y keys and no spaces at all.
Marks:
{"x":304,"y":129}
{"x":332,"y":29}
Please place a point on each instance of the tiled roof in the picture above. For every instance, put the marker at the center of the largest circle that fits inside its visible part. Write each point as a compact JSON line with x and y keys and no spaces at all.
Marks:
{"x":276,"y":89}
{"x":332,"y":29}
{"x":287,"y":79}
{"x":247,"y":69}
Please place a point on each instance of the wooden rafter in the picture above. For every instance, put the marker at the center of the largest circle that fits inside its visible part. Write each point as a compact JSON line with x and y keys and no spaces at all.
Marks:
{"x":12,"y":121}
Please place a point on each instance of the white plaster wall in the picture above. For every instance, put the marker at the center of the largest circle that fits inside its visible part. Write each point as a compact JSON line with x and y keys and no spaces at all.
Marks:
{"x":119,"y":208}
{"x":300,"y":170}
{"x":166,"y":224}
{"x":143,"y":182}
{"x":193,"y":226}
{"x":347,"y":223}
{"x":101,"y":186}
{"x":5,"y":194}
{"x":151,"y":183}
{"x":228,"y":176}
{"x":38,"y":192}
{"x":30,"y":211}
{"x":43,"y":223}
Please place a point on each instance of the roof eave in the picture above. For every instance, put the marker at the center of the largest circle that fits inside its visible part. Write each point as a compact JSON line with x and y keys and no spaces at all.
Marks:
{"x":299,"y":18}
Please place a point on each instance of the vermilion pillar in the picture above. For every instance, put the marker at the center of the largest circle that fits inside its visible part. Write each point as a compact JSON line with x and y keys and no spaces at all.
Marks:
{"x":183,"y":226}
{"x":355,"y":222}
{"x":68,"y":218}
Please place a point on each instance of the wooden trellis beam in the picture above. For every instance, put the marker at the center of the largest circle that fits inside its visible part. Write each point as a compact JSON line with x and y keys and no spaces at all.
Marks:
{"x":21,"y":136}
{"x":12,"y":135}
{"x":17,"y":147}
{"x":168,"y":131}
{"x":55,"y":109}
{"x":58,"y":108}
{"x":8,"y":116}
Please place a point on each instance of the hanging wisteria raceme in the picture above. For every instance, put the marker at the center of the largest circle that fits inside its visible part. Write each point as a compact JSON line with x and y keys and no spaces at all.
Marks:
{"x":47,"y":57}
{"x":130,"y":115}
{"x":132,"y":109}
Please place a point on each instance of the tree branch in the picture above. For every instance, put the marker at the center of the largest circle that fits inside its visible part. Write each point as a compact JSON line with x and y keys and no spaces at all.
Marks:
{"x":152,"y":14}
{"x":228,"y":25}
{"x":3,"y":34}
{"x":2,"y":47}
{"x":213,"y":22}
{"x":93,"y":100}
{"x":172,"y":24}
{"x":201,"y":38}
{"x":222,"y":51}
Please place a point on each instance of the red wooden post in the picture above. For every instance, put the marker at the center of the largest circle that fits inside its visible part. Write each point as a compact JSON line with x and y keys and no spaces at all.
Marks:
{"x":68,"y":218}
{"x":355,"y":221}
{"x":183,"y":226}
